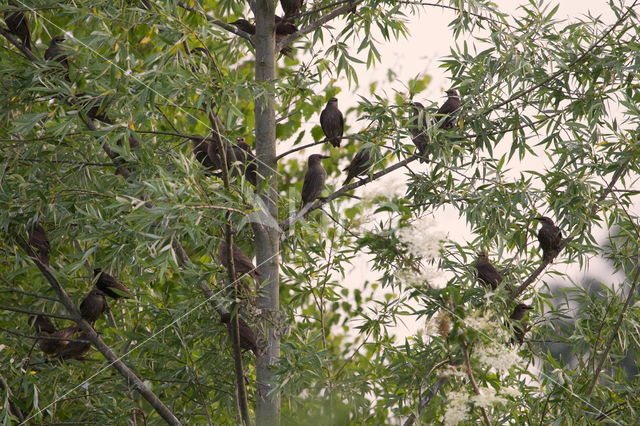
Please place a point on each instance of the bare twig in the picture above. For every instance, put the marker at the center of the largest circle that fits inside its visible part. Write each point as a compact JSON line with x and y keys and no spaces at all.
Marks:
{"x":30,"y":312}
{"x":28,"y":336}
{"x":426,"y":399}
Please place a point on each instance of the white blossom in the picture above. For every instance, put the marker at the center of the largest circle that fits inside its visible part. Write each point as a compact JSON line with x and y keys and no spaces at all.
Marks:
{"x":422,"y":238}
{"x":497,"y":356}
{"x":511,"y":391}
{"x":416,"y":279}
{"x":457,"y":408}
{"x":487,"y":397}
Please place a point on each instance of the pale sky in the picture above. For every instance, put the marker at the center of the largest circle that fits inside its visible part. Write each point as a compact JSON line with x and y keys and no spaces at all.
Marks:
{"x":430,"y":41}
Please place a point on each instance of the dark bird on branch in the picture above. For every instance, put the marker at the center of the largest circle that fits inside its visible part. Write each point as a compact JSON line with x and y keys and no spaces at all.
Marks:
{"x":93,"y":305}
{"x":240,"y":159}
{"x":360,"y":165}
{"x":110,"y":286}
{"x":55,"y":52}
{"x":241,"y":262}
{"x":201,"y":151}
{"x":75,"y":350}
{"x":42,"y":323}
{"x":314,"y":179}
{"x":18,"y":25}
{"x":247,"y":337}
{"x":332,"y":122}
{"x":291,"y":9}
{"x":488,"y":275}
{"x":244,"y":25}
{"x":58,"y":343}
{"x":39,"y":241}
{"x":550,"y":238}
{"x":516,"y":323}
{"x":418,"y":129}
{"x":447,"y":112}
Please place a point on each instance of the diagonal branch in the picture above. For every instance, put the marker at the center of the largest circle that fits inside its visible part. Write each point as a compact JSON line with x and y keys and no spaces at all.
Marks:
{"x":318,"y":23}
{"x":594,"y":209}
{"x":426,"y":399}
{"x":342,"y":191}
{"x":614,"y":333}
{"x":474,"y":384}
{"x":90,"y":334}
{"x":218,"y":23}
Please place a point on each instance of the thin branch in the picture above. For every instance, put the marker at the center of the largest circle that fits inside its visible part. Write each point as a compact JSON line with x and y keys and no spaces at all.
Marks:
{"x":594,"y":209}
{"x":318,"y":23}
{"x":568,"y":67}
{"x":17,"y":290}
{"x":342,"y":191}
{"x":88,"y":331}
{"x":28,"y":336}
{"x":30,"y":312}
{"x":474,"y":384}
{"x":320,"y":142}
{"x":218,"y":23}
{"x":426,"y":399}
{"x":13,"y":40}
{"x":614,"y":333}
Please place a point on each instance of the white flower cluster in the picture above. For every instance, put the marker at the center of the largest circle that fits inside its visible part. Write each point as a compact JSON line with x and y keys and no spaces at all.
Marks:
{"x":487,"y":397}
{"x":422,"y":238}
{"x":486,"y":325}
{"x":498,"y":357}
{"x":457,"y":408}
{"x":389,"y":189}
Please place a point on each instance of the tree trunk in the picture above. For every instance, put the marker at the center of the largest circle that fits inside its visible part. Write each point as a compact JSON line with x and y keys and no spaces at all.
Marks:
{"x":267,"y":236}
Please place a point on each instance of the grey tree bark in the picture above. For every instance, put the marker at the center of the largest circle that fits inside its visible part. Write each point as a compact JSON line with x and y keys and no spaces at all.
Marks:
{"x":266,"y":235}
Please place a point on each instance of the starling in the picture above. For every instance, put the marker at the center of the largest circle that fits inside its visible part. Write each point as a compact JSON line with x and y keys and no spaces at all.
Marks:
{"x":360,"y":165}
{"x":291,"y":9}
{"x":332,"y":122}
{"x":418,"y":129}
{"x":111,"y":286}
{"x":18,"y":25}
{"x":550,"y":237}
{"x":54,"y":346}
{"x":488,"y":275}
{"x":42,"y":323}
{"x":202,"y":150}
{"x":93,"y":305}
{"x":40,"y":242}
{"x":244,"y":25}
{"x":75,"y":350}
{"x":247,"y":338}
{"x":241,"y":263}
{"x":314,"y":179}
{"x":244,"y":155}
{"x":516,"y":322}
{"x":55,"y":52}
{"x":448,"y":110}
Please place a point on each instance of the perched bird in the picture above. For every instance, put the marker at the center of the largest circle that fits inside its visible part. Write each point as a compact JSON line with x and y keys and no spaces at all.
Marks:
{"x":241,"y":262}
{"x":332,"y":122}
{"x":93,"y":305}
{"x":56,"y":341}
{"x":40,"y":242}
{"x":110,"y":286}
{"x":244,"y":25}
{"x":201,"y":150}
{"x":55,"y":52}
{"x":18,"y":25}
{"x":244,"y":155}
{"x":75,"y":350}
{"x":360,"y":165}
{"x":488,"y":275}
{"x":247,"y":338}
{"x":42,"y":323}
{"x":519,"y":329}
{"x":314,"y":179}
{"x":418,"y":130}
{"x":550,"y":237}
{"x":284,"y":28}
{"x":291,"y":9}
{"x":448,"y":109}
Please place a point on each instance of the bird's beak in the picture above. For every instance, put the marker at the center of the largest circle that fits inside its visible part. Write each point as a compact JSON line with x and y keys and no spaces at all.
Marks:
{"x":538,"y":218}
{"x":324,"y":157}
{"x":528,"y":307}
